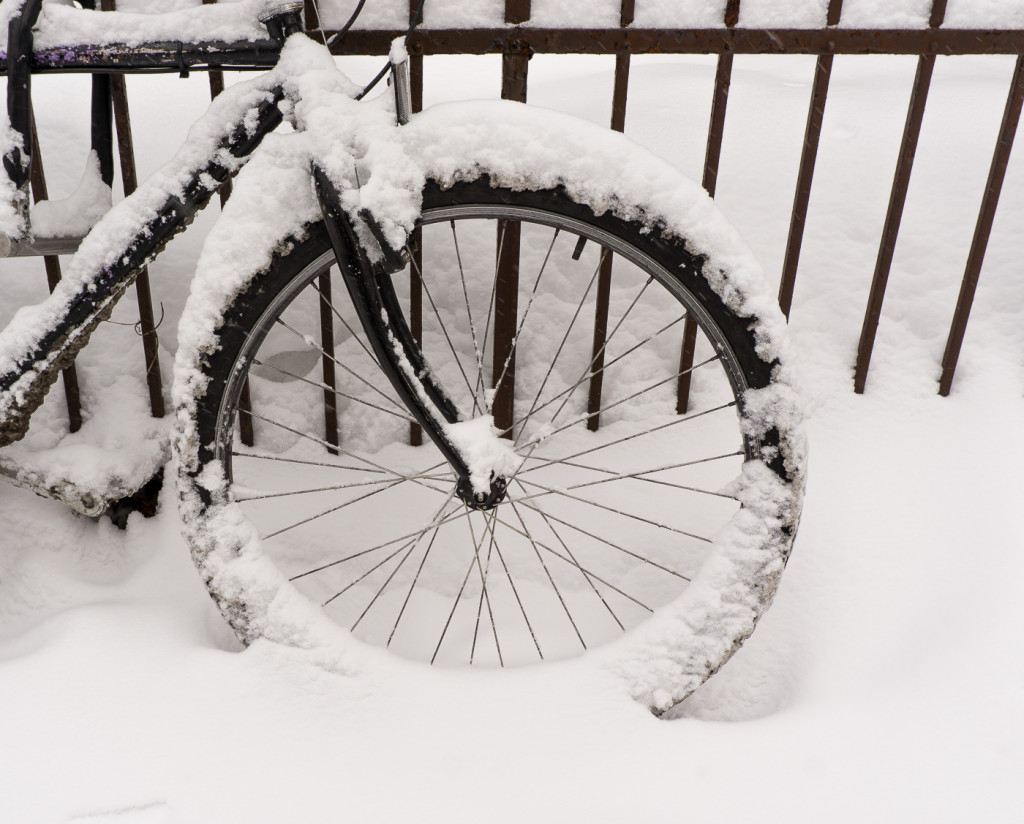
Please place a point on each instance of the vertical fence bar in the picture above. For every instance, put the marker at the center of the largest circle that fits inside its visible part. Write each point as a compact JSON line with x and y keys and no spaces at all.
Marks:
{"x":245,"y":420}
{"x":514,"y":66}
{"x":144,"y":297}
{"x":897,"y":200}
{"x":310,"y":14}
{"x":327,"y":362}
{"x":620,"y":91}
{"x":72,"y":395}
{"x":102,"y":126}
{"x":517,"y":11}
{"x":808,"y":157}
{"x":712,"y":156}
{"x":416,"y":239}
{"x":983,"y":228}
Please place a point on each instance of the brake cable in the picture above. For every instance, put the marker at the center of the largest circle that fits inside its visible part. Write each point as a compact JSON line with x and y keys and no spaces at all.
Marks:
{"x":416,"y":19}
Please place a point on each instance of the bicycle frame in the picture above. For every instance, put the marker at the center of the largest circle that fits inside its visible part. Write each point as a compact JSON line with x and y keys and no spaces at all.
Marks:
{"x":24,"y":385}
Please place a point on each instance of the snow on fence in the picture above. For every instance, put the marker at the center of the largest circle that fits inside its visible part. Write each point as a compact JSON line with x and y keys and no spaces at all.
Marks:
{"x":517,"y":29}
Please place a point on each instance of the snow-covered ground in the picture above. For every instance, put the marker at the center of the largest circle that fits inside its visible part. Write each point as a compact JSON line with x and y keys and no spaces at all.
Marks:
{"x":885,"y":684}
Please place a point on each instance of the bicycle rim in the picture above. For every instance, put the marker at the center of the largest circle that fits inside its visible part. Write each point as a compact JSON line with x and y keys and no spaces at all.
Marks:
{"x":618,"y":495}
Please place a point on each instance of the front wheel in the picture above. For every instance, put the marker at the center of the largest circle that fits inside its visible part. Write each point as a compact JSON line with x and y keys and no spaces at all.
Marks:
{"x":656,"y":481}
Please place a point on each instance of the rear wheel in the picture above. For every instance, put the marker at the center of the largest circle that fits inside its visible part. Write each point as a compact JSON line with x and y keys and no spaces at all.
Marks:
{"x":562,"y":329}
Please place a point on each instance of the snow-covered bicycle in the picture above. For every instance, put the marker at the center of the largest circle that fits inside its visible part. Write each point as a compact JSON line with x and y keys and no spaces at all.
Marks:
{"x":430,"y":390}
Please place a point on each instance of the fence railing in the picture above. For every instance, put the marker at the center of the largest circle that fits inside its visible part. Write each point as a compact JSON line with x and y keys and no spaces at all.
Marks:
{"x":518,"y":40}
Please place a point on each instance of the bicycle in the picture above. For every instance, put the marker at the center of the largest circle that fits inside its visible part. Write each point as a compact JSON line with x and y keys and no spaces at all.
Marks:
{"x":523,"y":281}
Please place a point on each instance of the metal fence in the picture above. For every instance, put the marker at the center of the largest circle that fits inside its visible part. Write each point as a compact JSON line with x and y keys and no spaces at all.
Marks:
{"x":518,"y":40}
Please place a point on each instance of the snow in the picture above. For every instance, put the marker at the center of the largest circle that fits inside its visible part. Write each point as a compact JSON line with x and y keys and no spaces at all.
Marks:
{"x":10,"y":221}
{"x":884,"y":684}
{"x":487,"y":456}
{"x":61,"y":24}
{"x":65,"y":25}
{"x":394,"y":14}
{"x":79,"y":212}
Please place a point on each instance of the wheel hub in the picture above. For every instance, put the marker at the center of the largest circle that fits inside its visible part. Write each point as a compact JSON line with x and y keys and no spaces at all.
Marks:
{"x":483,"y":501}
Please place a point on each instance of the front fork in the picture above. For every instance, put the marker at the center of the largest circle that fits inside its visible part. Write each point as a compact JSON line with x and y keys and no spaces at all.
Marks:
{"x":373,"y":295}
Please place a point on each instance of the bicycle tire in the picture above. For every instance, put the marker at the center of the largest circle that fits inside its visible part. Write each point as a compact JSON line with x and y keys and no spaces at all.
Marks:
{"x":615,"y":555}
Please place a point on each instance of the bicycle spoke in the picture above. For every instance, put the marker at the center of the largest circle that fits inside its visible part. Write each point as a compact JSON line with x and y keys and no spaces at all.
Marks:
{"x":333,"y":488}
{"x":366,"y":574}
{"x":547,"y":572}
{"x":638,"y":476}
{"x":586,"y":576}
{"x":444,"y":331}
{"x":454,"y":515}
{"x":587,"y":415}
{"x":484,"y":595}
{"x":597,"y":355}
{"x":437,"y":518}
{"x":583,"y":378}
{"x":455,"y":604}
{"x":469,"y":315}
{"x":329,"y":511}
{"x":526,"y":312}
{"x":565,"y":337}
{"x":235,"y":454}
{"x":605,"y":541}
{"x":352,"y":332}
{"x":412,"y":585}
{"x":583,"y":569}
{"x":502,"y":226}
{"x":515,"y":592}
{"x":330,"y":356}
{"x":614,"y":511}
{"x":660,"y":427}
{"x":341,"y":451}
{"x":331,"y":389}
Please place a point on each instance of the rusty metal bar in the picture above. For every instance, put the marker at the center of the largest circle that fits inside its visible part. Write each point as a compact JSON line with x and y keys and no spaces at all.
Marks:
{"x":894,"y":215}
{"x":72,"y":394}
{"x":245,"y":420}
{"x":514,"y":66}
{"x":143,"y":293}
{"x":506,"y":312}
{"x":627,"y":12}
{"x":147,"y":321}
{"x":327,"y":362}
{"x":680,"y":41}
{"x":972,"y":271}
{"x":310,"y":13}
{"x":416,"y":239}
{"x":716,"y":127}
{"x":808,"y":157}
{"x":167,"y":57}
{"x":732,"y":13}
{"x":938,"y":13}
{"x":416,"y":310}
{"x":517,"y":11}
{"x":216,"y":87}
{"x":712,"y":156}
{"x":620,"y":91}
{"x":102,"y":128}
{"x":604,"y":286}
